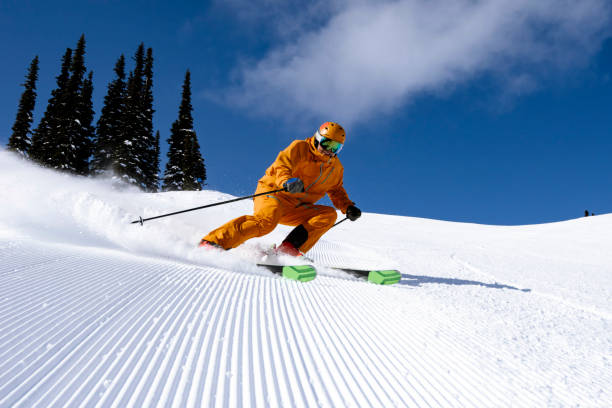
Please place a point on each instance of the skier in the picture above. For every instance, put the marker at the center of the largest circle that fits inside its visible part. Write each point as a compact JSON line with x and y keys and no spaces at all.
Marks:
{"x":306,"y":170}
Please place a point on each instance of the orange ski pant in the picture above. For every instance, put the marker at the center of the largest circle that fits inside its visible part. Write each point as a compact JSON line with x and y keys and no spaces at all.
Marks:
{"x":269,"y":211}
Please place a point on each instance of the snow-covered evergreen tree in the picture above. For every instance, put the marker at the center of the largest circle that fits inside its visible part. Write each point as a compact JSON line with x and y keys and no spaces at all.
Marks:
{"x":135,"y":161}
{"x":195,"y":171}
{"x":79,"y":114}
{"x":110,"y":125}
{"x":150,"y":142}
{"x":19,"y":141}
{"x":86,"y":131}
{"x":155,"y":162}
{"x":185,"y":169}
{"x":44,"y":137}
{"x":63,"y":138}
{"x":127,"y":160}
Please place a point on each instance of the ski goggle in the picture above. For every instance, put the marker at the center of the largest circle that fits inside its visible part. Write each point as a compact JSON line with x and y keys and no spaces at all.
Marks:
{"x":330,"y":145}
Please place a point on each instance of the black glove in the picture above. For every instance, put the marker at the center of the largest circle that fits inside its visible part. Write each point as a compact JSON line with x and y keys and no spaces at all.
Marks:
{"x":294,"y":185}
{"x":352,"y":213}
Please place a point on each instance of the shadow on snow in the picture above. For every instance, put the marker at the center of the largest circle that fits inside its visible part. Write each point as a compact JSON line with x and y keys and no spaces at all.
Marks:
{"x":418,"y":280}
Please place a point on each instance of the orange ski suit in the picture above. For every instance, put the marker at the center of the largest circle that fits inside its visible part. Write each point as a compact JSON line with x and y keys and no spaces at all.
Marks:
{"x":321,"y":175}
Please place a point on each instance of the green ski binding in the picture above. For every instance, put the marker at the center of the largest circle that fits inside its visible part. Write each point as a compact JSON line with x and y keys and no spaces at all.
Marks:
{"x":385,"y":277}
{"x":302,"y":273}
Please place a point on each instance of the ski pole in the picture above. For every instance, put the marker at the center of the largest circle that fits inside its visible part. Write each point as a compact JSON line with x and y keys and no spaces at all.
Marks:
{"x":141,"y":220}
{"x":340,"y":222}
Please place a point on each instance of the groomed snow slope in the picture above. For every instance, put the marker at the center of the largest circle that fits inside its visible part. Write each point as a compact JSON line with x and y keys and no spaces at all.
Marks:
{"x":95,"y":311}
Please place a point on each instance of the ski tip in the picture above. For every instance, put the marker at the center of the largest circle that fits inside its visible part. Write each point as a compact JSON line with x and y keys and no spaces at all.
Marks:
{"x":302,"y":273}
{"x":385,"y":277}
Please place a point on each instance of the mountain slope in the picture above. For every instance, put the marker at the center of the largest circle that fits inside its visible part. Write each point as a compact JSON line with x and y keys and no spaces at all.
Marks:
{"x":96,"y":311}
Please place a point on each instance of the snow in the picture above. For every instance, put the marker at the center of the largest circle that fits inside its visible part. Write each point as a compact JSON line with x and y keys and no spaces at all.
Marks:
{"x":95,"y":311}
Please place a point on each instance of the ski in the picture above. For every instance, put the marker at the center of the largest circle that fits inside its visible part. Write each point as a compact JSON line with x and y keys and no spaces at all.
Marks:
{"x":379,"y":277}
{"x":303,"y":269}
{"x":301,"y":273}
{"x":306,"y":273}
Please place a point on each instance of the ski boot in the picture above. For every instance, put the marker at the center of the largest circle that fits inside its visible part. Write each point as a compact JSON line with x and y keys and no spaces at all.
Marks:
{"x":287,"y":248}
{"x":209,"y":245}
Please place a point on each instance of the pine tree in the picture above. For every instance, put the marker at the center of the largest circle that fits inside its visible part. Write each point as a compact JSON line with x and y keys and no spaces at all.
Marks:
{"x":174,"y":174}
{"x":77,"y":118}
{"x":63,"y":138}
{"x":150,"y":164}
{"x":129,"y":162}
{"x":136,"y":158}
{"x":195,"y":171}
{"x":185,"y":169}
{"x":44,"y":137}
{"x":157,"y":160}
{"x":86,"y":131}
{"x":19,"y":141}
{"x":110,"y":124}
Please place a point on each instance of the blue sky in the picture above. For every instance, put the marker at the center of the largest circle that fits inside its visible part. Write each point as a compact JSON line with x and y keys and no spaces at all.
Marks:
{"x":485,"y":111}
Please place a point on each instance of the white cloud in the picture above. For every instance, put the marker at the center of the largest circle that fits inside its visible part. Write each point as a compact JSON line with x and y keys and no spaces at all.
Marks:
{"x":368,"y":57}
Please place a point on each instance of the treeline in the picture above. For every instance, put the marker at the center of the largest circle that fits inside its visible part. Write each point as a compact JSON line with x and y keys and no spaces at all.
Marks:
{"x":122,"y":145}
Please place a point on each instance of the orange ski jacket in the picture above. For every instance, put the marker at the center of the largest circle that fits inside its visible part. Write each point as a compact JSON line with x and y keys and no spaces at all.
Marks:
{"x":321,"y":175}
